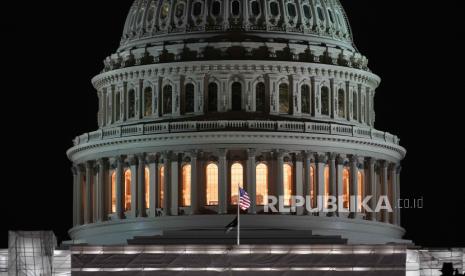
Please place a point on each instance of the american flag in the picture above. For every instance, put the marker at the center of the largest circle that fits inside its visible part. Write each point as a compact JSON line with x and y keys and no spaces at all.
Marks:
{"x":244,"y":199}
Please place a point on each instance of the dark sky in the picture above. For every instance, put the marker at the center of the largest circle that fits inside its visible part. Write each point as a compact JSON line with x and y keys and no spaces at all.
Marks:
{"x":54,"y":49}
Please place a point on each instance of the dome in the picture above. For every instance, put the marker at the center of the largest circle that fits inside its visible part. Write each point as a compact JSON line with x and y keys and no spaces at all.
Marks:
{"x":177,"y":21}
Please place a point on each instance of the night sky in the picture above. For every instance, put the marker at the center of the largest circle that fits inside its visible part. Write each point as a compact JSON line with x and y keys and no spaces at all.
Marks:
{"x":54,"y":49}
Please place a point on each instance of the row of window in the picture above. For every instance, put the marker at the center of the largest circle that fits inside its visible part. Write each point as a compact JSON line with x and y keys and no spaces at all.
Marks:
{"x":309,"y":103}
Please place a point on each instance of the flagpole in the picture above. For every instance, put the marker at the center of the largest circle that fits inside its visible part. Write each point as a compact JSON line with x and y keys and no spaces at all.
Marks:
{"x":238,"y":215}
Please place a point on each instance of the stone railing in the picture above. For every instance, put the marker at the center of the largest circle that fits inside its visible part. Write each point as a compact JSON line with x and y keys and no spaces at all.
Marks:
{"x":193,"y":126}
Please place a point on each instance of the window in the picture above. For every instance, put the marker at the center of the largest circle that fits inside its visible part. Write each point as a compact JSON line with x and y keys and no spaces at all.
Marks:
{"x":190,"y":98}
{"x":113,"y":192}
{"x":235,"y":8}
{"x":260,"y":97}
{"x":197,"y":8}
{"x":355,"y":106}
{"x":237,"y":178}
{"x":287,"y":175}
{"x":161,"y":187}
{"x":361,"y":186}
{"x":131,"y":103}
{"x":165,"y":10}
{"x":341,"y":103}
{"x":216,"y":8}
{"x":212,"y":97}
{"x":180,"y":9}
{"x":140,"y":16}
{"x":147,"y":187}
{"x":326,"y":179}
{"x":274,"y":9}
{"x":151,"y":14}
{"x":321,"y":16}
{"x":345,"y":188}
{"x":305,"y":94}
{"x":291,"y":10}
{"x":284,"y":98}
{"x":325,"y":100}
{"x":127,"y":190}
{"x":117,"y":106}
{"x":236,"y":96}
{"x":148,"y":101}
{"x":167,"y":99}
{"x":262,"y":184}
{"x":307,"y":12}
{"x":212,"y":185}
{"x":331,"y":18}
{"x":255,"y":7}
{"x":186,"y":186}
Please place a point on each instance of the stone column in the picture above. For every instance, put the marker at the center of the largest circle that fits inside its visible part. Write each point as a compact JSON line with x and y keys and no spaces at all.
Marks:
{"x":119,"y":188}
{"x":373,"y":187}
{"x":74,"y":171}
{"x":296,"y":95}
{"x":354,"y":187}
{"x":153,"y":183}
{"x":194,"y":184}
{"x":393,"y":197}
{"x":307,"y":186}
{"x":222,"y":182}
{"x":280,"y":173}
{"x":385,"y":190}
{"x":141,"y":204}
{"x":252,"y":180}
{"x":88,"y":194}
{"x":340,"y":183}
{"x":174,"y":185}
{"x":332,"y":176}
{"x":134,"y":165}
{"x":102,"y":184}
{"x":321,"y":160}
{"x":166,"y":185}
{"x":299,"y":185}
{"x":399,"y":169}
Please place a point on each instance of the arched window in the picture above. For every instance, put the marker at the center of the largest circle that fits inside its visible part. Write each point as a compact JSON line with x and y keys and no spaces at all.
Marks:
{"x":305,"y":95}
{"x":148,"y":101}
{"x":167,"y":99}
{"x":216,"y":8}
{"x":345,"y":188}
{"x":197,"y":8}
{"x":151,"y":15}
{"x":147,"y":187}
{"x":117,"y":106}
{"x":325,"y":100}
{"x":291,"y":11}
{"x":321,"y":15}
{"x":127,"y":190}
{"x":326,"y":193}
{"x":237,"y":178}
{"x":236,"y":8}
{"x":255,"y":7}
{"x":113,"y":192}
{"x":307,"y":12}
{"x":165,"y":10}
{"x":341,"y":103}
{"x":161,"y":186}
{"x":330,"y":14}
{"x":212,"y":97}
{"x":361,"y":187}
{"x":260,"y":97}
{"x":131,"y":103}
{"x":190,"y":98}
{"x":212,"y":185}
{"x":186,"y":186}
{"x":180,"y":9}
{"x":236,"y":96}
{"x":284,"y":98}
{"x":274,"y":8}
{"x":355,"y":106}
{"x":287,"y":175}
{"x":261,"y":185}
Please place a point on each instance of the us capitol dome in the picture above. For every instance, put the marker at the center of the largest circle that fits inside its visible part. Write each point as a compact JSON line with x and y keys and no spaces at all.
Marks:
{"x":203,"y":95}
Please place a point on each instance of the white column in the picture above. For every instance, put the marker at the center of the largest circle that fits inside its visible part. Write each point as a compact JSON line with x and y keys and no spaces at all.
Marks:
{"x":166,"y":185}
{"x":340,"y":183}
{"x":321,"y":160}
{"x":252,"y":180}
{"x":307,"y":179}
{"x":296,"y":97}
{"x":194,"y":184}
{"x":119,"y":188}
{"x":299,"y":184}
{"x":393,"y":198}
{"x":274,"y":93}
{"x":134,"y":165}
{"x":88,"y":196}
{"x":174,"y":185}
{"x":332,"y":176}
{"x":176,"y":97}
{"x":102,"y":181}
{"x":399,"y":169}
{"x":385,"y":191}
{"x":141,"y":210}
{"x":74,"y":171}
{"x":373,"y":187}
{"x":354,"y":187}
{"x":222,"y":182}
{"x":280,"y":173}
{"x":153,"y":183}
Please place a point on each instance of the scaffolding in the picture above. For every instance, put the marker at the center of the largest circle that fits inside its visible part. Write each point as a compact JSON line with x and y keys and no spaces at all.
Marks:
{"x":31,"y":253}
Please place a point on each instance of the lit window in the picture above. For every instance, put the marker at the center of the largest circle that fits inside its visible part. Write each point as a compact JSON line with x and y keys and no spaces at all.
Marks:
{"x":237,"y":178}
{"x":325,"y":100}
{"x":148,"y":96}
{"x":186,"y":186}
{"x":345,"y":188}
{"x":167,"y":101}
{"x":161,"y":186}
{"x":260,"y":96}
{"x":341,"y":100}
{"x":305,"y":95}
{"x":147,"y":187}
{"x":284,"y":98}
{"x":131,"y":103}
{"x":212,"y":184}
{"x":190,"y":97}
{"x":113,"y":192}
{"x":165,"y":10}
{"x":326,"y":178}
{"x":361,"y":187}
{"x":262,"y":184}
{"x":127,"y":190}
{"x":287,"y":175}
